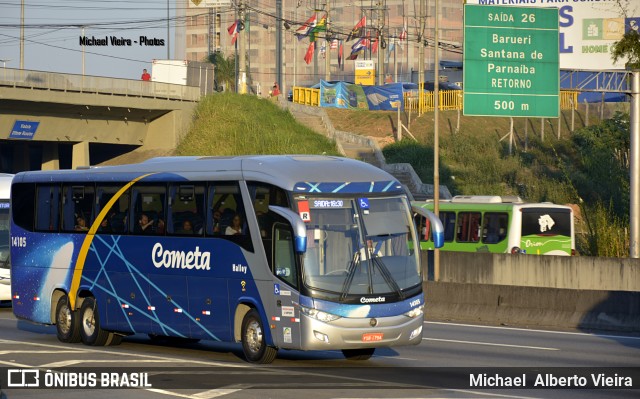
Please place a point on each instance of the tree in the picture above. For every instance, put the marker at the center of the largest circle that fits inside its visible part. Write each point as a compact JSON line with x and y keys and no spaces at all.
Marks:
{"x":627,"y":48}
{"x":225,"y":69}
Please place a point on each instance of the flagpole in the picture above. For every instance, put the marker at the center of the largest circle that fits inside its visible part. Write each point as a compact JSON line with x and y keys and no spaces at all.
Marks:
{"x":327,"y":49}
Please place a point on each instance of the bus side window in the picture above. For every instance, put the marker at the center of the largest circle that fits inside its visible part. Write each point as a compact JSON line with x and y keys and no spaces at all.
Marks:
{"x":494,"y":227}
{"x":47,"y":207}
{"x":116,"y":218}
{"x":423,"y":228}
{"x":225,"y":200}
{"x":23,"y":196}
{"x":147,"y":213}
{"x":77,"y":207}
{"x":186,"y":209}
{"x":468,"y":227}
{"x":448,"y":220}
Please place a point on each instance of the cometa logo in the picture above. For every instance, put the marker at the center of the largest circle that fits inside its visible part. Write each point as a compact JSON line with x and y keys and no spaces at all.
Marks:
{"x":372,"y":300}
{"x":180,"y":259}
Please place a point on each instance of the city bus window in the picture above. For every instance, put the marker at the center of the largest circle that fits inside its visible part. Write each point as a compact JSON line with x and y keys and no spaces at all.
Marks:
{"x":186,"y":209}
{"x":116,"y":219}
{"x":448,"y":220}
{"x":423,"y":227}
{"x":22,"y":198}
{"x":77,"y":207}
{"x":494,"y":228}
{"x":47,"y":207}
{"x":284,"y":261}
{"x":147,"y":213}
{"x":468,"y":227}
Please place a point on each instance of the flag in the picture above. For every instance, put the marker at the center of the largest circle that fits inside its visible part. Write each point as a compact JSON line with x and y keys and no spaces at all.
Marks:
{"x":233,"y":31}
{"x":320,"y":26}
{"x":392,"y":47}
{"x":304,"y":30}
{"x":309,"y":55}
{"x":358,"y":46}
{"x":340,"y":55}
{"x":403,"y":34}
{"x":374,"y":46}
{"x":358,"y":29}
{"x":323,"y":50}
{"x":334,"y":44}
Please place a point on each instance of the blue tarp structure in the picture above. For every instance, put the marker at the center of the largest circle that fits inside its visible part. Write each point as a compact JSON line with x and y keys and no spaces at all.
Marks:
{"x":349,"y":95}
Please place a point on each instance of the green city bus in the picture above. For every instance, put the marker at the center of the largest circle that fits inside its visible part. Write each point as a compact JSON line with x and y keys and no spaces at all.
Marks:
{"x":501,"y":224}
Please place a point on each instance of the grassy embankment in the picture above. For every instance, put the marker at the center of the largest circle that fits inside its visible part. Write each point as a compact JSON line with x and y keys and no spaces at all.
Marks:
{"x":229,"y":124}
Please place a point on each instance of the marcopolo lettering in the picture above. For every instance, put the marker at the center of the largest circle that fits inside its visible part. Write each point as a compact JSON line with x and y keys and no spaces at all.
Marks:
{"x":180,"y":259}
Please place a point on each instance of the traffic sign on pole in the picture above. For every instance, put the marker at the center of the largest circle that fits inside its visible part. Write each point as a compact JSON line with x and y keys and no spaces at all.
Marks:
{"x":511,"y":61}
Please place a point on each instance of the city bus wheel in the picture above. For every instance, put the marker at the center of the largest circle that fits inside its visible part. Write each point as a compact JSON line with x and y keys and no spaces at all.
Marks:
{"x":90,"y":330}
{"x":67,"y":326}
{"x":358,"y":354}
{"x":253,"y":340}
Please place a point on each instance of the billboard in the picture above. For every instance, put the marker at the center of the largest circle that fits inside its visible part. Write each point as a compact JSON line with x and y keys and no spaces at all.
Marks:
{"x":588,"y":29}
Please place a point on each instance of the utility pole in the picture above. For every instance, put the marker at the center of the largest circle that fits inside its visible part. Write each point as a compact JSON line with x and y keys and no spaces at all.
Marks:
{"x":279,"y":58}
{"x":168,"y":33}
{"x":242,"y":57}
{"x":634,"y":167}
{"x":22,"y":34}
{"x":421,"y":43}
{"x":436,"y":138}
{"x":379,"y":38}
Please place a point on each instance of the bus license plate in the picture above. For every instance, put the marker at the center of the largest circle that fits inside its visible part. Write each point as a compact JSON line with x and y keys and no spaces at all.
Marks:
{"x":372,"y":337}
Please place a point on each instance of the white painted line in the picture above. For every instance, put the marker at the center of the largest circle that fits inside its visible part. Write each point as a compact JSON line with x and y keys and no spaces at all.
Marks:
{"x":39,"y":352}
{"x":491,"y":344}
{"x":117,"y":352}
{"x":66,"y":363}
{"x":164,"y":392}
{"x":14,"y":364}
{"x":214,"y":393}
{"x":533,"y":330}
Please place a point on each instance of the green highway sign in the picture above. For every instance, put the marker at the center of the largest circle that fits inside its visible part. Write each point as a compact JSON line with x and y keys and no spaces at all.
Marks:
{"x":511,"y":61}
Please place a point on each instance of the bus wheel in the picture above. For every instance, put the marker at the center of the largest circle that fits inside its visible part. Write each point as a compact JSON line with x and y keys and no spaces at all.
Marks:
{"x":90,"y":330}
{"x":358,"y":354}
{"x":67,"y":327}
{"x":253,"y":341}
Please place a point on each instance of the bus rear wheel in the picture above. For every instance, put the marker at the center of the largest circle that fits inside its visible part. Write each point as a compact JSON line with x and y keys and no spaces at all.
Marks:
{"x":67,"y":326}
{"x":254,"y":345}
{"x":90,"y":330}
{"x":358,"y":354}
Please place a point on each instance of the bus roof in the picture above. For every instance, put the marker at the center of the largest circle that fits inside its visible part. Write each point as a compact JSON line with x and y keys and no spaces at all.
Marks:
{"x":286,"y":171}
{"x":449,"y":205}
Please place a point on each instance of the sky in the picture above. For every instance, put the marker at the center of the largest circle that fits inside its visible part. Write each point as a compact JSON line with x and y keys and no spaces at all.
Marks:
{"x":53,"y":29}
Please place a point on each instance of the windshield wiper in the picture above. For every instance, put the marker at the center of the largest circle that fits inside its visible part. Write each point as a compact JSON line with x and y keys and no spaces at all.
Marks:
{"x":351,"y":272}
{"x":387,"y":275}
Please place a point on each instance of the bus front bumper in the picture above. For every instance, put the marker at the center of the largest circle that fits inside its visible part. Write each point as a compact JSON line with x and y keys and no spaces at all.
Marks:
{"x":354,"y":333}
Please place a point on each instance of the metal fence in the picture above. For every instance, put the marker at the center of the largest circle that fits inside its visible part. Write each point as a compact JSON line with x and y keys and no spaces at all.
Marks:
{"x":37,"y":80}
{"x":423,"y":101}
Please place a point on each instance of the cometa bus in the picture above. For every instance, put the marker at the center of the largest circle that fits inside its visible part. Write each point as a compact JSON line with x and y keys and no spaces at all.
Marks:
{"x":296,"y":252}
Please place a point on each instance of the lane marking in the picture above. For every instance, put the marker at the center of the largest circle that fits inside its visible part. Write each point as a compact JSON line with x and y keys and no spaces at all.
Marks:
{"x":66,"y":363}
{"x":14,"y":364}
{"x":491,"y":344}
{"x":533,"y":330}
{"x":38,"y":352}
{"x":124,"y":353}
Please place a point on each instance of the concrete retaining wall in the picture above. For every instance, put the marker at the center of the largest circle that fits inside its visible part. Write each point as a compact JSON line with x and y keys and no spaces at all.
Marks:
{"x":533,"y":306}
{"x":565,"y":272}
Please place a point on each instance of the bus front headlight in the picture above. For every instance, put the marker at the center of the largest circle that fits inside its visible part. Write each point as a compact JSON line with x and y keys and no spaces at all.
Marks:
{"x":415,"y":312}
{"x":318,"y":314}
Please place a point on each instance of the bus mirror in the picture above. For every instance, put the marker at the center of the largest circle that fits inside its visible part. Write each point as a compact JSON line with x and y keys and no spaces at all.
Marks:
{"x":437,"y":230}
{"x":298,"y":226}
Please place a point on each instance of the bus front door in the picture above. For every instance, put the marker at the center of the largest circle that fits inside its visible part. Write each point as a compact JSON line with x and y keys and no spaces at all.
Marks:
{"x":285,"y":289}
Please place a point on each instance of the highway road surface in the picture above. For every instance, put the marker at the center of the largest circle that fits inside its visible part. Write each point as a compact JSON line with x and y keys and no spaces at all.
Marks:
{"x":453,"y":361}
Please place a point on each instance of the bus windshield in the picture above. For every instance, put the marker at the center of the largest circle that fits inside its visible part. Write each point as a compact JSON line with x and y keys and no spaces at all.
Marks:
{"x":360,"y":246}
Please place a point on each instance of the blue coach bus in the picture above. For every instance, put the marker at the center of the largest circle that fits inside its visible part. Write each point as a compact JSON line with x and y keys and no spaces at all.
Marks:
{"x":297,"y":252}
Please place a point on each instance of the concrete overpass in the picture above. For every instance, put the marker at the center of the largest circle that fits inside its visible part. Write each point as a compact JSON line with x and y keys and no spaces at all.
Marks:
{"x":52,"y":121}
